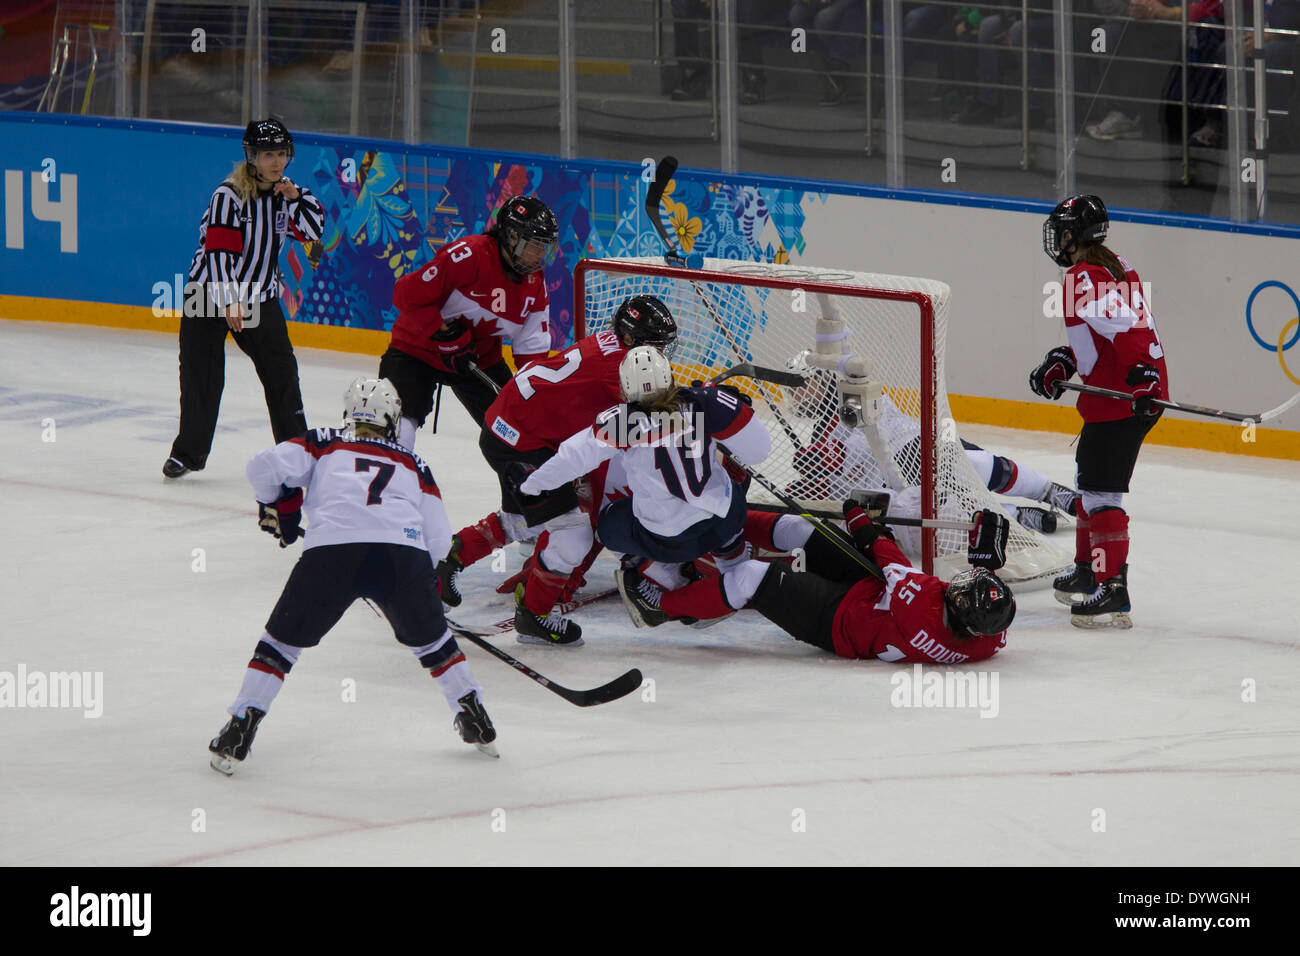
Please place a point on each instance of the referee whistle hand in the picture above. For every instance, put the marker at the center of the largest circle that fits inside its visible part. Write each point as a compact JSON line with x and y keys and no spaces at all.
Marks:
{"x":287,"y":189}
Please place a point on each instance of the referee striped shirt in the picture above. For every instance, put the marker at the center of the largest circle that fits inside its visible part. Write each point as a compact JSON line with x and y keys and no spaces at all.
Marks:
{"x":239,"y":242}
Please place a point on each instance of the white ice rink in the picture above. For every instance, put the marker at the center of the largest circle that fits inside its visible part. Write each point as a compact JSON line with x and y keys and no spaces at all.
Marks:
{"x":746,"y":728}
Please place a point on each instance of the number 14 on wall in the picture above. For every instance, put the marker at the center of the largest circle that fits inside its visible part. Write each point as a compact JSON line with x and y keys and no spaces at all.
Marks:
{"x":63,"y":210}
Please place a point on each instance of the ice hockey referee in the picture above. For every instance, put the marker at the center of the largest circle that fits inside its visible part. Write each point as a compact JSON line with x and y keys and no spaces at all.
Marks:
{"x":234,"y":281}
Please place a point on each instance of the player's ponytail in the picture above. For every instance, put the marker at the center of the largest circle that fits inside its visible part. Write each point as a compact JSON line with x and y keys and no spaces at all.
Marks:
{"x":1096,"y":254}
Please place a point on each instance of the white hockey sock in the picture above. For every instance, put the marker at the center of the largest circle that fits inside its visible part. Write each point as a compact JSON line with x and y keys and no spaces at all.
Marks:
{"x":741,"y":583}
{"x":1028,"y":483}
{"x":667,"y":576}
{"x":455,"y":682}
{"x":790,"y":532}
{"x":263,"y":680}
{"x":406,"y":433}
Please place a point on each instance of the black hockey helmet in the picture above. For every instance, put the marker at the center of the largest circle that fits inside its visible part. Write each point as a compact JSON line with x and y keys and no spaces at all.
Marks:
{"x":266,"y":134}
{"x":979,"y":602}
{"x":1078,"y":221}
{"x":645,"y":320}
{"x":527,"y":233}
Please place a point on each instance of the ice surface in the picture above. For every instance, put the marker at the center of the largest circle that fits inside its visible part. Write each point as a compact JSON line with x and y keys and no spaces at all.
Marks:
{"x":746,"y":727}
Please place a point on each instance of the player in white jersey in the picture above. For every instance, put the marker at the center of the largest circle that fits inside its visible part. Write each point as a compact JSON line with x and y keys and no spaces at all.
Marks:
{"x":684,"y":504}
{"x":838,"y":459}
{"x":376,"y":528}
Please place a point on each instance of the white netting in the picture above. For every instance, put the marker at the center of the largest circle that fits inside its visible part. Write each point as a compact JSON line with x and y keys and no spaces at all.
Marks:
{"x":816,"y":457}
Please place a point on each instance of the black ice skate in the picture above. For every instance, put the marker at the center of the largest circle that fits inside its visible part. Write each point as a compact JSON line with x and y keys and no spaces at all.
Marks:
{"x":640,"y":597}
{"x":1037,"y":519}
{"x":1079,"y":583}
{"x":231,"y":746}
{"x":555,"y":628}
{"x":1108,"y":606}
{"x":172,"y":468}
{"x":448,"y":570}
{"x":1061,"y":498}
{"x":475,"y":726}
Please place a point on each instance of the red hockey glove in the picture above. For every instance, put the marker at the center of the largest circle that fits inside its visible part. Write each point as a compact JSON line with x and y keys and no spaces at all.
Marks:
{"x":735,"y":470}
{"x":283,"y":517}
{"x":1058,"y":366}
{"x":988,"y":539}
{"x":455,"y":347}
{"x":820,"y":458}
{"x":864,"y":530}
{"x":1146,"y":382}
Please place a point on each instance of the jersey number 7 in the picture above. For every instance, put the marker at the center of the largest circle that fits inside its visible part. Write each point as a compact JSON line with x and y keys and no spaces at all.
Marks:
{"x":380,"y":481}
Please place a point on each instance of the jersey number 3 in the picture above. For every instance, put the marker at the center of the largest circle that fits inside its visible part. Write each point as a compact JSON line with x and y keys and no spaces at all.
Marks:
{"x":378,"y":483}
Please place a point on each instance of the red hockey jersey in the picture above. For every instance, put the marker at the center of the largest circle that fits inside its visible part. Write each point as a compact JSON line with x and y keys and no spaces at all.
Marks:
{"x":466,"y":281}
{"x":1110,"y":329}
{"x":554,"y":397}
{"x":901,"y":618}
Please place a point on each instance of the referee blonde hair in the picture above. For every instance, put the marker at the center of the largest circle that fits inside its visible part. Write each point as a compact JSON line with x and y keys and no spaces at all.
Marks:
{"x":242,"y":181}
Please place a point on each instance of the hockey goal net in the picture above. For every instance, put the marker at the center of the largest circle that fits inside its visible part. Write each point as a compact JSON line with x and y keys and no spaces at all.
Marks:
{"x":873,"y":412}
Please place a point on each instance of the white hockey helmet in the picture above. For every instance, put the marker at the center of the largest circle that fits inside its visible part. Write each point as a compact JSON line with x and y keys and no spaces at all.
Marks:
{"x":644,"y":375}
{"x":373,"y":401}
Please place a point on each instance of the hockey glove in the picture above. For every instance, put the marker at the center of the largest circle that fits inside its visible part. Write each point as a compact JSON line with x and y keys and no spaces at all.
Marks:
{"x":283,"y":517}
{"x":988,"y":539}
{"x":1145,"y":380}
{"x":515,"y":474}
{"x":455,"y":347}
{"x":1057,"y":367}
{"x":864,"y":530}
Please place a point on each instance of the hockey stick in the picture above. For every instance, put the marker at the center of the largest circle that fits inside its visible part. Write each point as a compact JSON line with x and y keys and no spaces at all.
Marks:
{"x":1254,"y":419}
{"x":758,"y":373}
{"x":620,"y":686}
{"x":654,"y":195}
{"x":483,"y":376}
{"x":944,"y":523}
{"x":827,"y":531}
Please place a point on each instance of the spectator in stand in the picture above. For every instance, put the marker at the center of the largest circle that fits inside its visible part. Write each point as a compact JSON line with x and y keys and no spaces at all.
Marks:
{"x":930,"y":31}
{"x":1207,"y":82}
{"x":1000,"y":37}
{"x":836,"y":37}
{"x":691,"y":25}
{"x":1133,"y":30}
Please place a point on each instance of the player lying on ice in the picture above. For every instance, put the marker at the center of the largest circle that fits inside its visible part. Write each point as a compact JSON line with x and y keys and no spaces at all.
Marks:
{"x":835,"y":459}
{"x":376,"y":527}
{"x":860,"y":599}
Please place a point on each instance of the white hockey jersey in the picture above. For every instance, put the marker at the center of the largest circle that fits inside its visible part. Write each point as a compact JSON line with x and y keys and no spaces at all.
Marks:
{"x":356,"y":490}
{"x":670,"y":462}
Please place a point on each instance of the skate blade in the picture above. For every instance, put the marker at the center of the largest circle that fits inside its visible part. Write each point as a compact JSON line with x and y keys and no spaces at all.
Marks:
{"x":224,"y":765}
{"x":698,"y":625}
{"x":1070,"y":598}
{"x":1119,"y":620}
{"x":489,"y":749}
{"x":546,"y":641}
{"x":632,"y":612}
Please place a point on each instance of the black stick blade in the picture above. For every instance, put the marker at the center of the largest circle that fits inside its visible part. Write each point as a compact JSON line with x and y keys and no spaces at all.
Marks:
{"x":663,"y":176}
{"x":619,"y":687}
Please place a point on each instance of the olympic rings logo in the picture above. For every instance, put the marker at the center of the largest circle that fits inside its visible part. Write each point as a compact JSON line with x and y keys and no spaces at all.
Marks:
{"x":1294,"y":323}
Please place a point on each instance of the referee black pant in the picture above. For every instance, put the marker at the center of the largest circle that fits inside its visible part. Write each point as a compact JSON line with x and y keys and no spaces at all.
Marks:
{"x":203,"y":377}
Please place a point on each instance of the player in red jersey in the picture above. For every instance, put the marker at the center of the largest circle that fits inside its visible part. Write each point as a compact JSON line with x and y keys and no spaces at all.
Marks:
{"x":1113,"y":344}
{"x":839,"y":605}
{"x":539,"y":408}
{"x":455,"y":311}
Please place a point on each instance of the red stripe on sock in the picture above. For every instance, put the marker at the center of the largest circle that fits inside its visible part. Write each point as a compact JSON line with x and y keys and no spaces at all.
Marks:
{"x":438,"y":672}
{"x":265,"y":669}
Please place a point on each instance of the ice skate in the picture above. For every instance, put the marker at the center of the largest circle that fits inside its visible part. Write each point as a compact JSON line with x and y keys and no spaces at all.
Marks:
{"x":1061,"y":498}
{"x":555,"y":628}
{"x":1037,"y":519}
{"x":449,"y":569}
{"x":1077,"y":584}
{"x":640,"y":597}
{"x":232,"y":745}
{"x":174,"y":468}
{"x":475,"y":726}
{"x":1107,"y":606}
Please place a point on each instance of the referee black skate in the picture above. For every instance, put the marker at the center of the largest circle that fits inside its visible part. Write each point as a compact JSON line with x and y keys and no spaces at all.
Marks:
{"x":234,"y":286}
